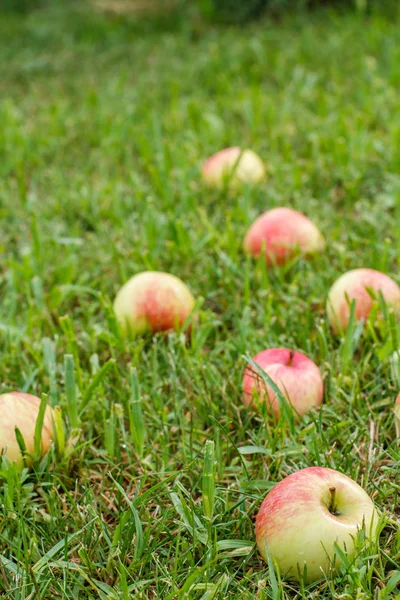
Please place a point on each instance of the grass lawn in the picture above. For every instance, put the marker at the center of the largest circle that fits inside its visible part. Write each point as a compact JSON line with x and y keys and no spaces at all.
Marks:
{"x":104,"y":123}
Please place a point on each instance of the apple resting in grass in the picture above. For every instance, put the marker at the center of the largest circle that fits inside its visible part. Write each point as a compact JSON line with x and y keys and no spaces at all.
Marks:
{"x":21,"y":410}
{"x":305,"y":514}
{"x":297,"y":377}
{"x":152,"y":301}
{"x":361,"y":285}
{"x":280,"y":234}
{"x":233,"y":166}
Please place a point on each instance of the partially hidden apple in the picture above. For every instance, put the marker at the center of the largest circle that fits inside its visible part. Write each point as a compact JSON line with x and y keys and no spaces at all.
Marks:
{"x":21,"y":410}
{"x":305,"y":514}
{"x":153,"y":301}
{"x":297,"y":377}
{"x":364,"y":286}
{"x":282,"y":233}
{"x":233,"y":166}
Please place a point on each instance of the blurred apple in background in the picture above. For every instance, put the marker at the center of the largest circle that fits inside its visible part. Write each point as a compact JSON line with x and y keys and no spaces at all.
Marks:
{"x":297,"y":377}
{"x":364,"y":286}
{"x":280,"y":234}
{"x":153,"y":301}
{"x":21,"y":410}
{"x":233,"y":166}
{"x":308,"y":512}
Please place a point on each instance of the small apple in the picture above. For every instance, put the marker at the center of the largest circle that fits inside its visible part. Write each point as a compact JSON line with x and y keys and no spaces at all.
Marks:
{"x":21,"y":410}
{"x":297,"y":377}
{"x":280,"y":234}
{"x":233,"y":166}
{"x":364,"y":286}
{"x":152,"y":301}
{"x":305,"y":514}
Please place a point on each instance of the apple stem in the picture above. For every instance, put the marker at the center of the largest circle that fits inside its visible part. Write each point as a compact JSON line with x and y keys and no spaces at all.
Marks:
{"x":291,"y":355}
{"x":332,"y":504}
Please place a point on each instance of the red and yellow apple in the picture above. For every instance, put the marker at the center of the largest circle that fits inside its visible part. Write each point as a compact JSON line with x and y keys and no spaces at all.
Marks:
{"x":153,"y":301}
{"x":233,"y":166}
{"x":21,"y":410}
{"x":308,"y":512}
{"x":282,"y":233}
{"x":364,"y":286}
{"x":296,"y":376}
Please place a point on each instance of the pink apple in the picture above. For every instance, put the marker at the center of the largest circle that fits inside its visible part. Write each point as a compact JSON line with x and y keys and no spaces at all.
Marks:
{"x":297,"y":377}
{"x":361,"y":285}
{"x":233,"y":166}
{"x":308,"y":512}
{"x":153,"y":301}
{"x":280,"y":234}
{"x":21,"y":410}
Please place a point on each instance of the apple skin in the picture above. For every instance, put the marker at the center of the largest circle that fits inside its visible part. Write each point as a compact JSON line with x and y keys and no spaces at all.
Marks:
{"x":234,"y":166}
{"x":298,"y":378}
{"x":295,"y":524}
{"x":355,"y":285}
{"x":282,"y":233}
{"x":153,"y":301}
{"x":21,"y":410}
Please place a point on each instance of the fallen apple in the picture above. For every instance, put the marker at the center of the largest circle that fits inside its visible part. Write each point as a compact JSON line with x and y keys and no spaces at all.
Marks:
{"x":364,"y":286}
{"x":153,"y":301}
{"x":297,"y":377}
{"x":233,"y":166}
{"x":19,"y":410}
{"x":282,"y":233}
{"x":308,"y":512}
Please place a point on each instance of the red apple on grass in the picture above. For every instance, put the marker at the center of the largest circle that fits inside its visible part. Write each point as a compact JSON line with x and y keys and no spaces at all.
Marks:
{"x":233,"y":166}
{"x":153,"y":301}
{"x":305,"y":514}
{"x":280,"y":234}
{"x":364,"y":286}
{"x":297,"y":377}
{"x":21,"y":410}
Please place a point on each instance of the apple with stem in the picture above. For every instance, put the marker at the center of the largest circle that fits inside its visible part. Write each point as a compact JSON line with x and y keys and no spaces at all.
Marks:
{"x":282,"y":233}
{"x":20,"y":410}
{"x":296,"y":376}
{"x":306,"y":514}
{"x":233,"y":166}
{"x":153,"y":301}
{"x":364,"y":286}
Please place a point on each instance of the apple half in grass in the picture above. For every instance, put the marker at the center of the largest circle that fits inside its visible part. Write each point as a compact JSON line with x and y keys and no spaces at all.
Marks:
{"x":20,"y":410}
{"x":364,"y":287}
{"x":280,"y":234}
{"x":233,"y":166}
{"x":306,"y":514}
{"x":153,"y":301}
{"x":296,"y":376}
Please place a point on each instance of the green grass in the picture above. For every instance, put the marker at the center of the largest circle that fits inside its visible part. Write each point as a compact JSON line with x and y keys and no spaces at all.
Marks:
{"x":104,"y":124}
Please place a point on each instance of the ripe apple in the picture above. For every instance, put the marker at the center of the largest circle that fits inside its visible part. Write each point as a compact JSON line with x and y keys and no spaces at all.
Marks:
{"x":153,"y":301}
{"x":297,"y":377}
{"x":364,"y":286}
{"x":280,"y":234}
{"x":234,"y":166}
{"x":21,"y":410}
{"x":305,"y":514}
